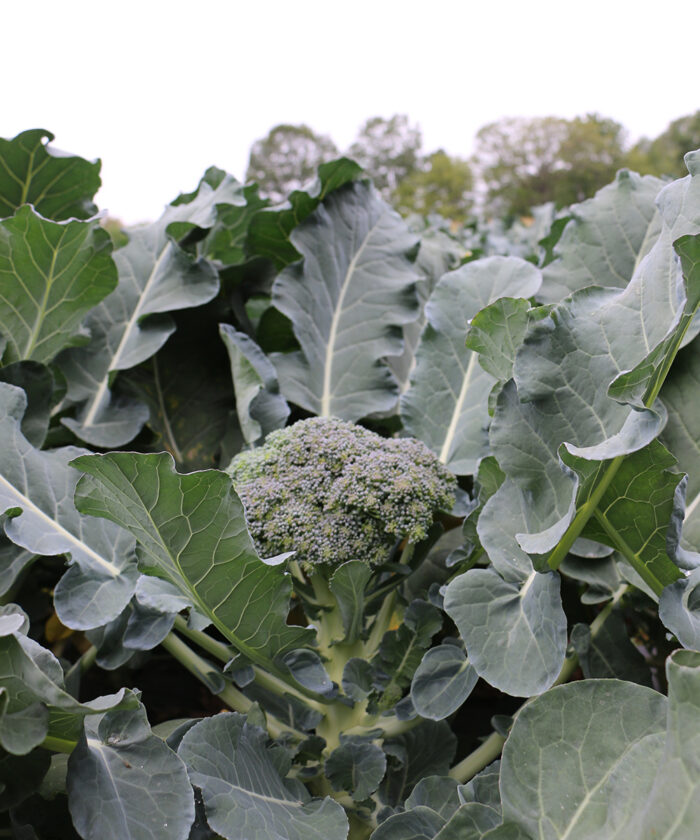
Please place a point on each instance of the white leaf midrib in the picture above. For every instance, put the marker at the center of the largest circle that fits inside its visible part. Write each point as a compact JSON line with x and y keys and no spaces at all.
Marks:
{"x":27,"y":503}
{"x":454,"y":421}
{"x":96,"y":402}
{"x":326,"y":395}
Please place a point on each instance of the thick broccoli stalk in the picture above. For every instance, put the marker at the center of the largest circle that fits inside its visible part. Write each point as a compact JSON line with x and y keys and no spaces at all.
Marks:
{"x":333,"y":491}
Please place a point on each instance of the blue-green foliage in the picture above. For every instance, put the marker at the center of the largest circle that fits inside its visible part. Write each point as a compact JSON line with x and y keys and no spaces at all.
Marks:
{"x":334,"y":491}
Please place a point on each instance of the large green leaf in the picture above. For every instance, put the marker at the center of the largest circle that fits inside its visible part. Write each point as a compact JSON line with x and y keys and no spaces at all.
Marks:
{"x":260,"y":406}
{"x":188,"y":394}
{"x":59,"y":185}
{"x":580,"y":760}
{"x":191,"y":531}
{"x":156,"y":277}
{"x":269,"y":234}
{"x":560,"y":393}
{"x":244,"y":793}
{"x":124,"y":781}
{"x":514,"y":629}
{"x":51,"y":275}
{"x":672,"y":809}
{"x":37,"y":488}
{"x":347,"y":302}
{"x":438,"y":254}
{"x":606,"y":237}
{"x":681,"y":396}
{"x":442,"y":682}
{"x":635,"y":510}
{"x":34,"y":701}
{"x":446,"y":405}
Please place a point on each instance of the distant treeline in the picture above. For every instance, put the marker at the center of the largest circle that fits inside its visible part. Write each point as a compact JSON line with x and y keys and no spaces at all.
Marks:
{"x":518,"y":163}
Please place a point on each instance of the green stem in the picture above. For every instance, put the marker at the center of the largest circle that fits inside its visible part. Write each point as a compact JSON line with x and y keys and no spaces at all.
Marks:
{"x":477,"y":760}
{"x":380,"y":625}
{"x":201,"y":669}
{"x":390,"y":725}
{"x":271,"y":682}
{"x":84,"y":662}
{"x":573,"y":532}
{"x":589,"y":508}
{"x":60,"y":745}
{"x":382,"y":620}
{"x":636,"y":562}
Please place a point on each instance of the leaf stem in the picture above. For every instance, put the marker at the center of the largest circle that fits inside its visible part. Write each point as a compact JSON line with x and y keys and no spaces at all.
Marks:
{"x":573,"y":532}
{"x":60,"y":745}
{"x":230,"y":695}
{"x":224,"y":654}
{"x":478,"y":759}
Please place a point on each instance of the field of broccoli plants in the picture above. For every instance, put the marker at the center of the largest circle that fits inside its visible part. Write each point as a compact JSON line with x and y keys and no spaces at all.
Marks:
{"x":318,"y":523}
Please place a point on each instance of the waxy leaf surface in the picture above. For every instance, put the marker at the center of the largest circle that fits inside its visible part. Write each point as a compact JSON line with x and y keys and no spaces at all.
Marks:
{"x":243,"y":791}
{"x":58,"y":185}
{"x":156,"y":277}
{"x":37,"y":488}
{"x":51,"y":275}
{"x":191,"y":531}
{"x":347,"y":301}
{"x":138,"y":786}
{"x":446,"y":405}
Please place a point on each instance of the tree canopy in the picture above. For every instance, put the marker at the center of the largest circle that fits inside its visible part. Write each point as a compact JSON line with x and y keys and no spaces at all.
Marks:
{"x":443,"y":184}
{"x":529,"y":161}
{"x":287,"y":158}
{"x":389,"y":150}
{"x":664,"y":155}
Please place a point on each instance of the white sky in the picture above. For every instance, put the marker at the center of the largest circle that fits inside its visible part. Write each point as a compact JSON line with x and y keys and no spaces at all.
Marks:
{"x":161,"y":89}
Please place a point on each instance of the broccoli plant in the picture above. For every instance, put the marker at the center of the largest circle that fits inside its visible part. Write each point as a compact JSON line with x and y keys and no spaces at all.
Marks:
{"x":458,"y":600}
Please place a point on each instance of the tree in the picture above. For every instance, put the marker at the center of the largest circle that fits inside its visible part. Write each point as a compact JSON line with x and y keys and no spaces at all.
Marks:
{"x":524,"y":162}
{"x":442,"y":185}
{"x":287,"y":158}
{"x":388,"y":149}
{"x":664,"y":155}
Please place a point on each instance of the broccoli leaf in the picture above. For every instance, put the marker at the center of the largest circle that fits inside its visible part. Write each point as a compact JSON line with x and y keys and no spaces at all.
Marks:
{"x":156,"y":277}
{"x":605,"y":238}
{"x":672,"y":809}
{"x":442,"y":682}
{"x":59,"y":186}
{"x":446,"y":405}
{"x":514,"y":628}
{"x":357,"y":767}
{"x":34,"y":701}
{"x":347,"y":301}
{"x":575,"y":786}
{"x":269,"y":234}
{"x":244,"y":794}
{"x":51,"y":275}
{"x":192,"y":532}
{"x":260,"y":406}
{"x":36,"y":490}
{"x":139,"y":786}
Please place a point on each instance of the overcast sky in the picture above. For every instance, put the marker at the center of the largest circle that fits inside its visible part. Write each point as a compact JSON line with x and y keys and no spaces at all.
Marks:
{"x":161,"y":89}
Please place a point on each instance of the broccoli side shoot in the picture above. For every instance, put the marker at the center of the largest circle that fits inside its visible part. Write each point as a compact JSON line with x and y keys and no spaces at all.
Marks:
{"x":333,"y":491}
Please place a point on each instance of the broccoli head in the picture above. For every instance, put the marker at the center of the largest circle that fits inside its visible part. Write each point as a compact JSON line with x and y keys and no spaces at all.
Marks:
{"x":333,"y":491}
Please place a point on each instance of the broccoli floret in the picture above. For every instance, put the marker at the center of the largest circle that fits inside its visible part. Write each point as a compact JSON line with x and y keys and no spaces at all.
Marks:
{"x":333,"y":491}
